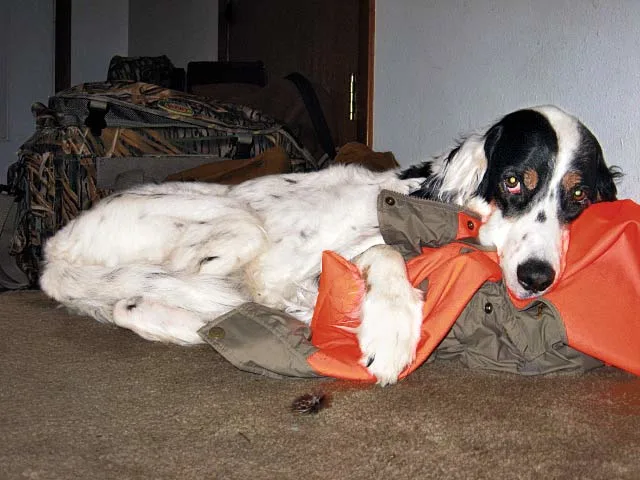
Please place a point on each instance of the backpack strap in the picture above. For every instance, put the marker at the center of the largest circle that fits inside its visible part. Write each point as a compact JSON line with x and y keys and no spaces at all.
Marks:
{"x":11,"y":277}
{"x":319,"y":121}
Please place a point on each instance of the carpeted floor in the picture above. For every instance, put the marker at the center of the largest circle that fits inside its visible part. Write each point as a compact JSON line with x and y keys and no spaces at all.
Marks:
{"x":81,"y":400}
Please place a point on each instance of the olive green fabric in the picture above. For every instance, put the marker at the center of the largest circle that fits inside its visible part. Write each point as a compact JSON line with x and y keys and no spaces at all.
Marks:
{"x":410,"y":223}
{"x":262,"y":340}
{"x":490,"y":334}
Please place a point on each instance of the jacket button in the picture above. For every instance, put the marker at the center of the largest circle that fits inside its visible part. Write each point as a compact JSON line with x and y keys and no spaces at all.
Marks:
{"x":390,"y":201}
{"x":216,"y":333}
{"x":488,"y":307}
{"x":470,"y":225}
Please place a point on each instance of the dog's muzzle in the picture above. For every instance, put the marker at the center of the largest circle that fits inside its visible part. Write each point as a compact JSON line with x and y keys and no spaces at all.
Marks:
{"x":536,"y":275}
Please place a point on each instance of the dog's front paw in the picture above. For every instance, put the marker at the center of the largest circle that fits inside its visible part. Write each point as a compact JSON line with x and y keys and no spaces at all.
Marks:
{"x":389,"y":333}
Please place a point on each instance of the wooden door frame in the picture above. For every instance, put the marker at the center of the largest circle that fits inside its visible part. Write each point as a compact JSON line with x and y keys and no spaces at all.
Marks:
{"x":366,"y":47}
{"x":366,"y":43}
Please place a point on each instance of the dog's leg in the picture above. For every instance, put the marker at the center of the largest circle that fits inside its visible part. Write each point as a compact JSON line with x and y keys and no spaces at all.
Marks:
{"x":220,"y":247}
{"x":158,"y":322}
{"x":391,"y":314}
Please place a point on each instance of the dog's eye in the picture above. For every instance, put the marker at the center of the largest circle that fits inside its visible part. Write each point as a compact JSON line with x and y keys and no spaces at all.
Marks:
{"x":579,"y":194}
{"x":512,"y":184}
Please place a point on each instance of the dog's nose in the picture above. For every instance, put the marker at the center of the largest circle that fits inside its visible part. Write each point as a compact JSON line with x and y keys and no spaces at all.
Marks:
{"x":536,"y":275}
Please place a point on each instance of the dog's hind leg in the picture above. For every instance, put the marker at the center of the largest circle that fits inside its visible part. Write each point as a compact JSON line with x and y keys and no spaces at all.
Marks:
{"x":156,"y":321}
{"x":391,"y":314}
{"x":218,"y":247}
{"x":95,"y":289}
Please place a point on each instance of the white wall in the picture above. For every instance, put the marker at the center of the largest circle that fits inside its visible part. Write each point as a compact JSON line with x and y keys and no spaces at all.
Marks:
{"x":27,"y":48}
{"x":182,"y":30}
{"x":99,"y":30}
{"x":443,"y":67}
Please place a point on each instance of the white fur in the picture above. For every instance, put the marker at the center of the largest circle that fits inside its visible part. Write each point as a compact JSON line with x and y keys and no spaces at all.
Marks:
{"x":461,"y":176}
{"x":393,"y":313}
{"x":162,"y":260}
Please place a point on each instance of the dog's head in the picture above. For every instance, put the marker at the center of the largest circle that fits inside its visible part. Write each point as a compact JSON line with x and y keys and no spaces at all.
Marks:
{"x":530,"y":175}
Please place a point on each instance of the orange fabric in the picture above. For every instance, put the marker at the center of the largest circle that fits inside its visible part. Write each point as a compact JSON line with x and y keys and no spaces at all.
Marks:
{"x":598,"y":296}
{"x":468,"y":226}
{"x":336,"y":315}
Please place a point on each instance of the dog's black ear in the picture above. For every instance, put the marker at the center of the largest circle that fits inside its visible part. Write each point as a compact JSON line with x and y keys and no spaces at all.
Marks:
{"x":491,"y":139}
{"x":606,"y":190}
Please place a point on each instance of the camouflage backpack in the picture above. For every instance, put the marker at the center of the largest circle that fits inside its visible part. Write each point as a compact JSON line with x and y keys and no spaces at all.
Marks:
{"x":98,"y":124}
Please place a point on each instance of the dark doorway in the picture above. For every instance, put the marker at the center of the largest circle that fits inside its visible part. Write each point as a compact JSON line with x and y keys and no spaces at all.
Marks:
{"x":328,"y":41}
{"x":62,"y":58}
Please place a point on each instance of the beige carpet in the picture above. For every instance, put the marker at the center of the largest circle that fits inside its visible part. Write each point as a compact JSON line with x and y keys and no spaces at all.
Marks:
{"x":81,"y":400}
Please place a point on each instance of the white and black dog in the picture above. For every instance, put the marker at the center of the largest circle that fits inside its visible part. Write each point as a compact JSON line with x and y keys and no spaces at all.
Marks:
{"x":164,"y":259}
